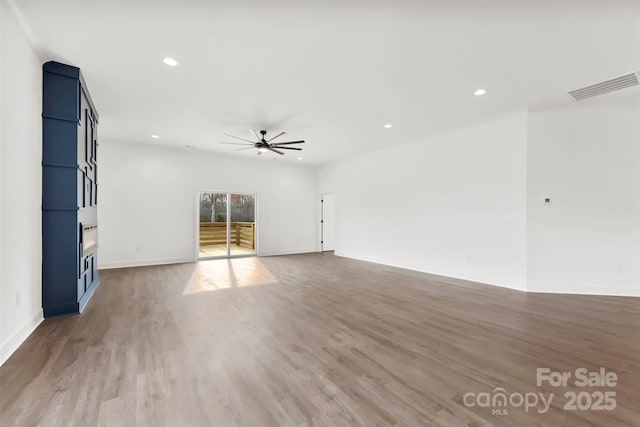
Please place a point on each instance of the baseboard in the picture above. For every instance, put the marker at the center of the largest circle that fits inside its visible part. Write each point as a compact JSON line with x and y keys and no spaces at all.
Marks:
{"x":287,"y":252}
{"x":63,"y":309}
{"x":142,"y":263}
{"x":477,"y":279}
{"x":596,"y":291}
{"x":12,"y":344}
{"x":88,"y":294}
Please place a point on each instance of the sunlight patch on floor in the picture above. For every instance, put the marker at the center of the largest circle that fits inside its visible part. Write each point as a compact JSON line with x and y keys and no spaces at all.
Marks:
{"x":221,"y":250}
{"x":212,"y":275}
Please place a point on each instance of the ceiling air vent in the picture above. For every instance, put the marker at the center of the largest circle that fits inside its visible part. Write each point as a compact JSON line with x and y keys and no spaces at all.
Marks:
{"x":606,"y":87}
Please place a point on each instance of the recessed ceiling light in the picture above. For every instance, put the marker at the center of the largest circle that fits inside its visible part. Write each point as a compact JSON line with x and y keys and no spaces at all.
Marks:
{"x":170,"y":62}
{"x":479,"y":92}
{"x":388,"y":126}
{"x":189,"y":146}
{"x":299,"y":158}
{"x":155,"y":136}
{"x":262,"y":150}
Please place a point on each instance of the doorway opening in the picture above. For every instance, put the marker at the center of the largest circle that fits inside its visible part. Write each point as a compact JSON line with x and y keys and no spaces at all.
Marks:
{"x":328,"y":222}
{"x":227,"y":224}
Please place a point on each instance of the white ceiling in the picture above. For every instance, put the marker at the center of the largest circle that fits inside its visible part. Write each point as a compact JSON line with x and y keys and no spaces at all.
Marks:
{"x":330,"y":73}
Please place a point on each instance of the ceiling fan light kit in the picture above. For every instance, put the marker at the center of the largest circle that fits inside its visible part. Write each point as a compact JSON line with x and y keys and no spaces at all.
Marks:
{"x":263,"y":144}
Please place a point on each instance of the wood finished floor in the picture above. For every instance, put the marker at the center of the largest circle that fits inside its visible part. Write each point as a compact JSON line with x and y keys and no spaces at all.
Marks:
{"x":313,"y":340}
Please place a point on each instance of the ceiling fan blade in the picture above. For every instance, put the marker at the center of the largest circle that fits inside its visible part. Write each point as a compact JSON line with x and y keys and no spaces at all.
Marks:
{"x":237,"y":137}
{"x":287,"y":148}
{"x":275,"y":151}
{"x":255,"y":134}
{"x":277,"y":136}
{"x":240,"y":149}
{"x":236,"y":143}
{"x":288,"y":143}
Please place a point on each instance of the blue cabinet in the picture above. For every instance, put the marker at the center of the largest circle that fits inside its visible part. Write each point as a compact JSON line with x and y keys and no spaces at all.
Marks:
{"x":69,"y":191}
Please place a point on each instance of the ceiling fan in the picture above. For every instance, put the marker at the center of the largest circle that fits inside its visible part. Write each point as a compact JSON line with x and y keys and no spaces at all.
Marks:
{"x":262,"y":144}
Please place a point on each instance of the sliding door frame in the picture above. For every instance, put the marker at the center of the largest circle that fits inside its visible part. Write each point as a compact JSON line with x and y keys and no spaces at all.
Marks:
{"x":197,"y":226}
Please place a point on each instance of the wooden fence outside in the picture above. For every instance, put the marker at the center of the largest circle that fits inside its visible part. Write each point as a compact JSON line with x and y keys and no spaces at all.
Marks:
{"x":243,"y":234}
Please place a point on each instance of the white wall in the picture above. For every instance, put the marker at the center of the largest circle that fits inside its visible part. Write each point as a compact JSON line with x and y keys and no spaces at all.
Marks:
{"x":468,"y":204}
{"x":453,"y":204}
{"x":147,"y":201}
{"x":585,"y":157}
{"x":21,"y":187}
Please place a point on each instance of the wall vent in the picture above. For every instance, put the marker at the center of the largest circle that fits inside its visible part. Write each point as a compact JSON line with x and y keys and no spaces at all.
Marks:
{"x":605,"y":87}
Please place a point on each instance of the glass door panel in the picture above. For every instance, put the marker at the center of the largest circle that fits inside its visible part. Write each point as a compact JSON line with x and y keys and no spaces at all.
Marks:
{"x":213,"y":225}
{"x":242,"y":225}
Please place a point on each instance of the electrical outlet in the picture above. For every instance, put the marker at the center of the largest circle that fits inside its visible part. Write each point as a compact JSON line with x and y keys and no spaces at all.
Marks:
{"x":138,"y":249}
{"x":18,"y":298}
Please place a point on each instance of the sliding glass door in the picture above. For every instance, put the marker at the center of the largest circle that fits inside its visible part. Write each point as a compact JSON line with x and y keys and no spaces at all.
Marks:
{"x":213,"y":225}
{"x":226,"y":224}
{"x":242,"y":225}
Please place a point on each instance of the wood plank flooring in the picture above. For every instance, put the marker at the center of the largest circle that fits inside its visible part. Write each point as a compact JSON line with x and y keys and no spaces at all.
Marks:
{"x":316,"y":340}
